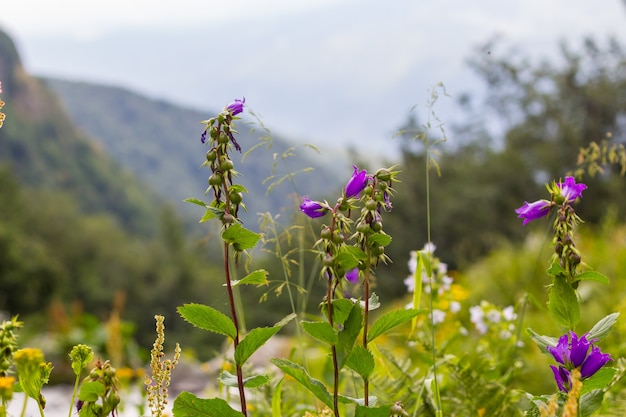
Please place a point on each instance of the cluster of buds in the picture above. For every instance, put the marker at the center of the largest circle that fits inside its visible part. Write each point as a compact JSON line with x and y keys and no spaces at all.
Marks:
{"x":33,"y":373}
{"x":219,"y":135}
{"x":564,"y":194}
{"x":2,"y":115}
{"x":106,"y":401}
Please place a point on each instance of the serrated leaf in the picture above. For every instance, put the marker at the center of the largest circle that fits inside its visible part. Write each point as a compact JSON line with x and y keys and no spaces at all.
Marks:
{"x":361,"y":361}
{"x":341,"y":310}
{"x":542,"y":341}
{"x":254,"y":381}
{"x":603,"y":326}
{"x":258,"y":277}
{"x":208,"y":318}
{"x":563,"y":303}
{"x":321,"y":330}
{"x":346,"y":337}
{"x":300,"y":374}
{"x":90,"y":391}
{"x":188,"y":405}
{"x":257,"y":338}
{"x":390,"y":320}
{"x":592,"y":276}
{"x":195,"y":201}
{"x":240,"y":238}
{"x":210,"y":214}
{"x":600,"y":380}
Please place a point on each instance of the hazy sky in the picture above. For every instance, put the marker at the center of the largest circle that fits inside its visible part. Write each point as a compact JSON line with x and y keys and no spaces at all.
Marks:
{"x":324,"y":71}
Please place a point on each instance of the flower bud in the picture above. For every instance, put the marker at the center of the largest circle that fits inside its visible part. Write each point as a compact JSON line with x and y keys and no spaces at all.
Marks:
{"x":215,"y":179}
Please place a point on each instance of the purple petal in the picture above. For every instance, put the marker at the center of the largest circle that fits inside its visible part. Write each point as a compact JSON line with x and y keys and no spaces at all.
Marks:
{"x":533,"y":211}
{"x":236,"y":106}
{"x":570,"y":190}
{"x":353,"y":275}
{"x":313,"y":209}
{"x":356,"y":183}
{"x":562,"y":378}
{"x":560,"y":352}
{"x":579,"y":349}
{"x":594,"y":362}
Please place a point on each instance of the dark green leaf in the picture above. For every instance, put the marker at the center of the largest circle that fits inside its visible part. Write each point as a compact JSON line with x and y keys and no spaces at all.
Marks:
{"x":90,"y":391}
{"x":188,"y":405}
{"x":391,"y":320}
{"x":257,"y":338}
{"x":321,"y":330}
{"x":341,"y":310}
{"x":599,"y":380}
{"x":379,"y":239}
{"x":346,"y":337}
{"x":258,"y":277}
{"x":556,"y":269}
{"x":590,"y":402}
{"x":563,"y":303}
{"x":384,"y":411}
{"x":208,"y":318}
{"x":240,"y":238}
{"x":361,"y":361}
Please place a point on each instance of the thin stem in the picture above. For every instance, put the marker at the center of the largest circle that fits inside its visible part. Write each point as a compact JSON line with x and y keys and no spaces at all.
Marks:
{"x":24,"y":405}
{"x":233,"y":311}
{"x":69,"y":414}
{"x":329,"y":299}
{"x":366,"y":294}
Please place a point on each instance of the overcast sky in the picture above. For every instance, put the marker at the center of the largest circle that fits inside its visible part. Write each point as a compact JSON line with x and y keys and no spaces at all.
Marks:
{"x":323,"y":71}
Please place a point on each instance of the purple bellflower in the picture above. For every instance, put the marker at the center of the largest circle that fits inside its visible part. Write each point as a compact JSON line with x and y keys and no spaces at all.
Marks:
{"x":313,"y":209}
{"x":533,"y":211}
{"x":573,"y":352}
{"x":570,"y":191}
{"x":236,"y":106}
{"x":353,"y":275}
{"x":356,"y":183}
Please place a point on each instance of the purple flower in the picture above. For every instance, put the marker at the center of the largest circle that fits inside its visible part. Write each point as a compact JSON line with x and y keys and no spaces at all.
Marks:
{"x":595,"y":360}
{"x":356,"y":183}
{"x":313,"y":209}
{"x":236,"y":106}
{"x":570,"y":191}
{"x":562,"y":378}
{"x":353,"y":275}
{"x":573,"y":352}
{"x":533,"y":211}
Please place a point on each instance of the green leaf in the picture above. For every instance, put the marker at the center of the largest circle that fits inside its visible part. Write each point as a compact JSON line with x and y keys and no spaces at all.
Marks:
{"x":254,"y":381}
{"x":240,"y":238}
{"x":257,"y":338}
{"x":374,"y":302}
{"x":542,"y":341}
{"x":321,"y":330}
{"x":417,"y":286}
{"x":300,"y":374}
{"x":349,"y":257}
{"x":276,"y":398}
{"x":556,"y":270}
{"x":346,"y":337}
{"x":592,"y":276}
{"x":379,"y":239}
{"x":361,"y":361}
{"x":195,"y":201}
{"x":603,"y":326}
{"x":90,"y":391}
{"x":188,"y":405}
{"x":599,"y":380}
{"x":258,"y":277}
{"x":590,"y":402}
{"x":390,"y":320}
{"x":208,"y":318}
{"x":384,"y":411}
{"x":563,"y":303}
{"x":341,"y":310}
{"x":210,"y":214}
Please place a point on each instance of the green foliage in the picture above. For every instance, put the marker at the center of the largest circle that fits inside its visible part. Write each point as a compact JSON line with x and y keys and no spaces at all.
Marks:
{"x":188,"y":405}
{"x":208,"y":318}
{"x":257,"y":338}
{"x":392,"y":319}
{"x":563,"y":303}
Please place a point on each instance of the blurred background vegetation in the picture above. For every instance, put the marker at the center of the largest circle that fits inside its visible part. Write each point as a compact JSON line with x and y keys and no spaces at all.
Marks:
{"x":92,"y":229}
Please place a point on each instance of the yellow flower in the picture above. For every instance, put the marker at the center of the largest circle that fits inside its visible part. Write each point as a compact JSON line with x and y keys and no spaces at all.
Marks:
{"x":28,"y":356}
{"x":6,"y":388}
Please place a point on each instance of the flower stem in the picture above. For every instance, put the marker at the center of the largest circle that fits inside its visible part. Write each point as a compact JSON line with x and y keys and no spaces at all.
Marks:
{"x":329,"y":304}
{"x":233,"y":311}
{"x":69,"y":414}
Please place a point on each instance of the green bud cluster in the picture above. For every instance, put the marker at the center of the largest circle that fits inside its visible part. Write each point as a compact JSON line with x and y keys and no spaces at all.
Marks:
{"x":8,"y":344}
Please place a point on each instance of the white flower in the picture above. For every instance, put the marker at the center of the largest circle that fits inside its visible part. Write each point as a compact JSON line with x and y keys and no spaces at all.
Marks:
{"x":494,"y":316}
{"x":476,"y":317}
{"x":410,"y":283}
{"x":429,"y":247}
{"x":509,"y":314}
{"x":438,"y":316}
{"x":455,"y":306}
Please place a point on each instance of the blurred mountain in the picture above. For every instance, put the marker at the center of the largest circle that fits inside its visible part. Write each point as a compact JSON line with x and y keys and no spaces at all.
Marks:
{"x":45,"y":150}
{"x":160,"y":143}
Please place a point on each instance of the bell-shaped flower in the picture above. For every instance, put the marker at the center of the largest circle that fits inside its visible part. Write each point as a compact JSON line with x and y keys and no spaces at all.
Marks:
{"x":595,"y":360}
{"x":533,"y":211}
{"x":236,"y":106}
{"x":353,"y":275}
{"x":311,"y":208}
{"x":570,"y":190}
{"x":562,"y":377}
{"x":356,"y":183}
